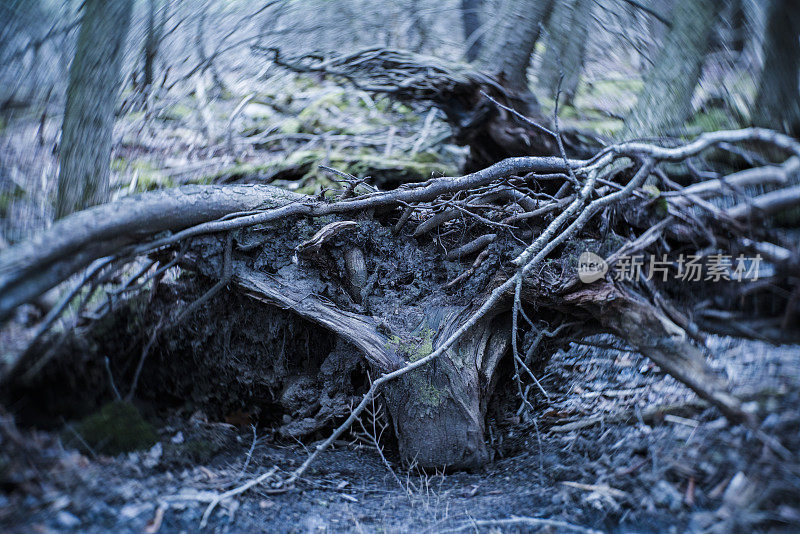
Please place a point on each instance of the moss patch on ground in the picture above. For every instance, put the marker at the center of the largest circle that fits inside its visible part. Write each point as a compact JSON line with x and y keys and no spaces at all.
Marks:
{"x":116,"y":428}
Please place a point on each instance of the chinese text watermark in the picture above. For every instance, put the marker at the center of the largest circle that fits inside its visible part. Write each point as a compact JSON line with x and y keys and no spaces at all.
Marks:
{"x":684,"y":268}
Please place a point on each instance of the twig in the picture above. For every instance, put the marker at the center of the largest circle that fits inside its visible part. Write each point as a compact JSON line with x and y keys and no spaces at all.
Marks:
{"x":55,"y":313}
{"x":111,"y":379}
{"x":249,"y":455}
{"x":516,"y":521}
{"x":223,"y":281}
{"x":234,"y":492}
{"x":142,"y":358}
{"x":80,"y":438}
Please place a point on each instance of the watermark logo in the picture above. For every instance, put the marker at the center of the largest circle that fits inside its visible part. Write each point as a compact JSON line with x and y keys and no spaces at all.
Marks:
{"x":591,"y":267}
{"x":685,"y":268}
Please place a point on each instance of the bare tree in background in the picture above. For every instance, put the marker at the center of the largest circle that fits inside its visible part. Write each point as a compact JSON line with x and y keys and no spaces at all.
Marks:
{"x":513,"y":38}
{"x":777,"y":103}
{"x":566,"y":45}
{"x":94,"y":80}
{"x":471,"y":19}
{"x":665,"y":101}
{"x":155,"y":32}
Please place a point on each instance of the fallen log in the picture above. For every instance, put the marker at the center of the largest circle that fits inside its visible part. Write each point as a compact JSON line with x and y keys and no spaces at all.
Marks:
{"x":494,"y":121}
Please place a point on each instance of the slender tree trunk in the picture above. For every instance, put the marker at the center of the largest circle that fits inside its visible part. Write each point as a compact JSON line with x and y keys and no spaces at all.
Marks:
{"x":94,"y":80}
{"x":514,"y":37}
{"x":566,"y":44}
{"x":666,"y":98}
{"x":777,"y":103}
{"x":738,"y":26}
{"x":155,"y":29}
{"x":471,"y":11}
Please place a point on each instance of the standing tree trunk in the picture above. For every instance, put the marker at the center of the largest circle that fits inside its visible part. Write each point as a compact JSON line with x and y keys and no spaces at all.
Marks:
{"x":94,"y":80}
{"x":665,"y":101}
{"x":514,"y":37}
{"x":471,"y":19}
{"x":155,"y":30}
{"x":566,"y":44}
{"x":777,"y":103}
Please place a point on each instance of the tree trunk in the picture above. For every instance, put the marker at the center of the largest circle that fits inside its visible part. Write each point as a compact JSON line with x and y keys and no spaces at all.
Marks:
{"x":777,"y":103}
{"x":566,"y":44}
{"x":514,"y":37}
{"x":155,"y":29}
{"x":665,"y":101}
{"x":471,"y":11}
{"x":94,"y":80}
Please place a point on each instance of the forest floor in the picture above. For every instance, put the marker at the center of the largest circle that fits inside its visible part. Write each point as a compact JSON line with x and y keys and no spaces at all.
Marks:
{"x":618,"y":447}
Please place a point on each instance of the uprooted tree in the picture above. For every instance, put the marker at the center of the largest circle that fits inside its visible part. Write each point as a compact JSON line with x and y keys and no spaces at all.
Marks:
{"x":447,"y":289}
{"x":491,"y":117}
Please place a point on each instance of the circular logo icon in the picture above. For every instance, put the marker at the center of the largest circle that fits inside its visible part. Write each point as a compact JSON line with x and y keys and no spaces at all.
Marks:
{"x":591,"y":267}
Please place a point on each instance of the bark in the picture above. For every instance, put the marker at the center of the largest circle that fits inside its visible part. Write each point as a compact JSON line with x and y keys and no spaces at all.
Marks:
{"x":777,"y":103}
{"x":566,"y":45}
{"x":71,"y":244}
{"x":514,"y":36}
{"x":738,"y":26}
{"x":665,"y":101}
{"x":438,"y":410}
{"x":657,"y":337}
{"x":87,"y":130}
{"x":32,"y":267}
{"x":471,"y":11}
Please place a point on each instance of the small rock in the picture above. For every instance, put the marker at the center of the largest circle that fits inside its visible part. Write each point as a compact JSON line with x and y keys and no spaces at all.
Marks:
{"x":738,"y":491}
{"x":132,"y":511}
{"x":771,"y":421}
{"x":67,"y":520}
{"x":177,"y":438}
{"x":153,"y":456}
{"x":665,"y":494}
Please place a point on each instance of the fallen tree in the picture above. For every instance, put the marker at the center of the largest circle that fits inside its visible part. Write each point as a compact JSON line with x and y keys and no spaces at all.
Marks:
{"x":494,"y":121}
{"x":442,"y":285}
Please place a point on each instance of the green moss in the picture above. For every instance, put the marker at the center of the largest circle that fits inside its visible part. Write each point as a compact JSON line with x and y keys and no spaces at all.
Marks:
{"x":712,"y":120}
{"x":652,"y":190}
{"x":149,"y":177}
{"x":336,"y":99}
{"x":8,"y":197}
{"x":304,"y":82}
{"x":427,"y":156}
{"x":118,"y":427}
{"x":404,"y":169}
{"x":416,"y":348}
{"x":291,"y":126}
{"x":429,"y":395}
{"x":176,"y":112}
{"x":618,"y":87}
{"x":367,"y":164}
{"x":119,"y":164}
